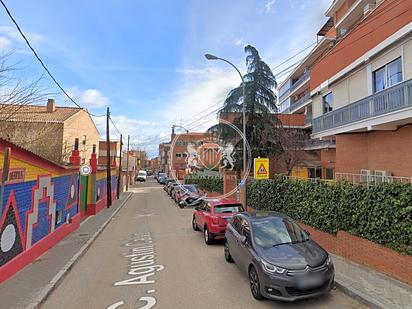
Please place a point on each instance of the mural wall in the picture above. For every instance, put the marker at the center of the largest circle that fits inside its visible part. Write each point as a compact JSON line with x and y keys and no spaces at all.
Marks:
{"x":40,"y":206}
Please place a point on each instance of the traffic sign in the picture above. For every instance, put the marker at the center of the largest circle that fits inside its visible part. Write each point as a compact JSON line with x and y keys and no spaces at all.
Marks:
{"x":85,"y":170}
{"x":261,"y":168}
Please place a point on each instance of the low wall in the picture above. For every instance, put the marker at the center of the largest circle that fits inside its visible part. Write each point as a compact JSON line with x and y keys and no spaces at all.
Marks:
{"x":39,"y":208}
{"x":365,"y":252}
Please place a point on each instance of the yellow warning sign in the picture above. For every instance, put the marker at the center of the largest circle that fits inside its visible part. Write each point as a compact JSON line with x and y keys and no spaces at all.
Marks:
{"x":261,"y":168}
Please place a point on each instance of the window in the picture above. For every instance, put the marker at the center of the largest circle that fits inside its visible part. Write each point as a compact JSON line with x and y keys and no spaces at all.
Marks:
{"x":236,"y":224}
{"x":327,"y":103}
{"x":388,"y":75}
{"x":329,"y":173}
{"x":178,"y":155}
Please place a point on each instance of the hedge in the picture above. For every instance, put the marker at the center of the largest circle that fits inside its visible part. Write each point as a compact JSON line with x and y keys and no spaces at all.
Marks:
{"x":208,"y":183}
{"x":382,"y":214}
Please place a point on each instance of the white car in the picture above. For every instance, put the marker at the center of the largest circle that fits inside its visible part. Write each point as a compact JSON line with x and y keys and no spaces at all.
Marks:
{"x":141,"y":176}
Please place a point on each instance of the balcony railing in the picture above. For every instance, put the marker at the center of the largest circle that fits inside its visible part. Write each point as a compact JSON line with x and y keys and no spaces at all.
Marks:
{"x":314,"y":144}
{"x":308,"y":119}
{"x":388,"y":100}
{"x":299,"y":103}
{"x":284,"y":95}
{"x":300,"y":81}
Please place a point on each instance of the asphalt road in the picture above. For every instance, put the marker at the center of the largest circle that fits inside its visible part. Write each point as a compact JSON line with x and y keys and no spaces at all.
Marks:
{"x":149,"y":257}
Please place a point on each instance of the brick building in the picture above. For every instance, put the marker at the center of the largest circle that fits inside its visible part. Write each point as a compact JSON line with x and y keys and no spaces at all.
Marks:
{"x":114,"y":153}
{"x":164,"y":157}
{"x":49,"y":131}
{"x":355,"y":89}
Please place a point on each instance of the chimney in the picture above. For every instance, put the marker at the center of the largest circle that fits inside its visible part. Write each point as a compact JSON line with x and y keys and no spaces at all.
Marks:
{"x":51,"y":106}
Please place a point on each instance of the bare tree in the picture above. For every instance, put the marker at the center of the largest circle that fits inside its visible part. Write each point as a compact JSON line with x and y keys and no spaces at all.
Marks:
{"x":292,"y":142}
{"x":16,"y":93}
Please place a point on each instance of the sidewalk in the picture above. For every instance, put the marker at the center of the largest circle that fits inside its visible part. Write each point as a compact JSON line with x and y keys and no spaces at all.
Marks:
{"x":31,"y":284}
{"x":370,"y":287}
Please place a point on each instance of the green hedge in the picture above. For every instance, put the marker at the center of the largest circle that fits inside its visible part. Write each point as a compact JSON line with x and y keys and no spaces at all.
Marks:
{"x":382,"y":214}
{"x":208,"y":183}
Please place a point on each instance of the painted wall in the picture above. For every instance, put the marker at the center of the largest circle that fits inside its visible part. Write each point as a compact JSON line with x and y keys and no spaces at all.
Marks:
{"x":39,"y":208}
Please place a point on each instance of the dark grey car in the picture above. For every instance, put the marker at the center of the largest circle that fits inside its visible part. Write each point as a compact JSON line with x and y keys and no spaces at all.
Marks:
{"x":279,"y":258}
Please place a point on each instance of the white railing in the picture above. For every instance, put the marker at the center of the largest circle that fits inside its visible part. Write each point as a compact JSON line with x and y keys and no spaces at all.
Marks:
{"x":370,"y":179}
{"x":389,"y":100}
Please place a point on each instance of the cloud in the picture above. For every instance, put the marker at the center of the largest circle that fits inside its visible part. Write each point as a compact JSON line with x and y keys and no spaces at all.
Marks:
{"x":203,"y":92}
{"x":239,"y":42}
{"x":13,"y":35}
{"x":143,"y":134}
{"x":5,"y":43}
{"x":269,"y":7}
{"x":90,"y":98}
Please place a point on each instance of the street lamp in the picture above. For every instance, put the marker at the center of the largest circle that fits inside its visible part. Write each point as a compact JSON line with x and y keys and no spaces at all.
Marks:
{"x":213,"y":57}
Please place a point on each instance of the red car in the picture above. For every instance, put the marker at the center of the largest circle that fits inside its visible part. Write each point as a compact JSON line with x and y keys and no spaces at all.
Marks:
{"x":211,"y":217}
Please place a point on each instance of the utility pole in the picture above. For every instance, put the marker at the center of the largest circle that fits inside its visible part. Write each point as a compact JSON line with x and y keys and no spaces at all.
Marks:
{"x":120,"y":167}
{"x":108,"y":171}
{"x":127,"y":163}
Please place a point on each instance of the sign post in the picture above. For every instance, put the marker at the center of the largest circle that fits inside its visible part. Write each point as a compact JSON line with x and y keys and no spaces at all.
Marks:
{"x":261,"y":168}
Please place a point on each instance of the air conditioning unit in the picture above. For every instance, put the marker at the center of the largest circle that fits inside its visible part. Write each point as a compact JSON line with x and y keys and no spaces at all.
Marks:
{"x":381,"y":176}
{"x":366,"y":176}
{"x":368,"y":8}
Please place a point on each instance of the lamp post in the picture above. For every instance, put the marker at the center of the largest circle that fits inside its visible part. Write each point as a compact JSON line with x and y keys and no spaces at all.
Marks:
{"x":212,"y":57}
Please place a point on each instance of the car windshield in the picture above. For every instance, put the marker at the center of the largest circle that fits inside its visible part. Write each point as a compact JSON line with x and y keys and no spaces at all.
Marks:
{"x":142,"y":174}
{"x":275,"y":231}
{"x":228,"y":208}
{"x":189,"y":188}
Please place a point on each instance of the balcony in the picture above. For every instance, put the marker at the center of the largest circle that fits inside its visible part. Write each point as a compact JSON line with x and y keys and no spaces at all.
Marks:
{"x":385,"y":109}
{"x":284,"y":95}
{"x":316,"y":144}
{"x":302,"y":80}
{"x":300,"y":103}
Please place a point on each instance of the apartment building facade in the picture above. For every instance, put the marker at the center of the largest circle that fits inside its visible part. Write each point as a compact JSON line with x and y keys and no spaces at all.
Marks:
{"x":361,"y":89}
{"x":355,"y":90}
{"x":164,"y":157}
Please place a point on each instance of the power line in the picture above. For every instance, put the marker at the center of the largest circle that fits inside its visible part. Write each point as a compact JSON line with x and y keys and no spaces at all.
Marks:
{"x":41,"y":61}
{"x":293,"y":56}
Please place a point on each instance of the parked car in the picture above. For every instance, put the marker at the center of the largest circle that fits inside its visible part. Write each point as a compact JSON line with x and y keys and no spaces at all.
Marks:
{"x":141,"y":176}
{"x":161,"y":176}
{"x":211,"y":217}
{"x":186,"y":194}
{"x":278,"y":256}
{"x":168,"y":182}
{"x":162,"y":180}
{"x":171,"y":188}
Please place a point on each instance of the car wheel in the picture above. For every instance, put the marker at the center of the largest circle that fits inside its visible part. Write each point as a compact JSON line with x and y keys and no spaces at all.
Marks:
{"x":228,"y":257}
{"x":254,"y":283}
{"x":208,"y":237}
{"x":194,"y":225}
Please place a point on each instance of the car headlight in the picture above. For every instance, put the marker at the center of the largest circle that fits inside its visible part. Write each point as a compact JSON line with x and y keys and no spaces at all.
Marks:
{"x":272,"y":269}
{"x":329,"y":261}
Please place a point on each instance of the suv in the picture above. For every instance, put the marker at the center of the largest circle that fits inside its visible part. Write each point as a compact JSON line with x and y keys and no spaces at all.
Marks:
{"x":211,"y":217}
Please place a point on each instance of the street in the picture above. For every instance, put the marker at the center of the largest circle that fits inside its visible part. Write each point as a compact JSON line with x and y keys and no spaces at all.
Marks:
{"x":169,"y":264}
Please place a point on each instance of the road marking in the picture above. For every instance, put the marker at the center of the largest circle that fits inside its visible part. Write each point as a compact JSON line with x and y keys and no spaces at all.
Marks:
{"x":114,"y":306}
{"x":151,"y":291}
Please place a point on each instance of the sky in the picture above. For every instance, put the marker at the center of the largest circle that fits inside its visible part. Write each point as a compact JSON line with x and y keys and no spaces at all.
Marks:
{"x":144,"y":59}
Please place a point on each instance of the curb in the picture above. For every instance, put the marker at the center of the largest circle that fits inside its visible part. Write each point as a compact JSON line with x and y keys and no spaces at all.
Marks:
{"x":48,"y":289}
{"x":356,"y":295}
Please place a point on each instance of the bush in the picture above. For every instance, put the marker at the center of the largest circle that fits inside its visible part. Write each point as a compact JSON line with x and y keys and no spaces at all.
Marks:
{"x":382,"y":214}
{"x":208,"y":183}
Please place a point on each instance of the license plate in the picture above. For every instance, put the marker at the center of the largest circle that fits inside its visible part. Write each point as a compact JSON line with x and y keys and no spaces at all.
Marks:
{"x":309,"y":282}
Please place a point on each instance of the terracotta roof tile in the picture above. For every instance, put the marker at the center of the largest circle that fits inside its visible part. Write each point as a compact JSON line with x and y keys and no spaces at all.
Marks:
{"x":36,"y":113}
